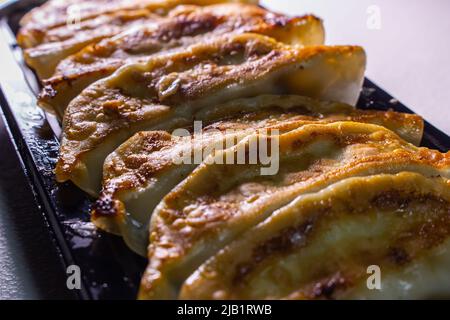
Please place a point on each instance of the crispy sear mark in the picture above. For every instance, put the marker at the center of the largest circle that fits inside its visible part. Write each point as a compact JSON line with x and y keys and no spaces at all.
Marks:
{"x":165,"y":93}
{"x":291,"y":238}
{"x":427,"y":233}
{"x":319,"y":245}
{"x":55,"y":14}
{"x":184,"y":26}
{"x":135,"y":175}
{"x":219,"y":203}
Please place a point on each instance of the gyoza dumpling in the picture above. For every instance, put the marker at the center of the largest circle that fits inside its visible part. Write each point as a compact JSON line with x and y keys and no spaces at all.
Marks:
{"x":327,"y":245}
{"x":57,"y":13}
{"x":60,"y":42}
{"x":218,"y":202}
{"x":184,"y":26}
{"x":143,"y":170}
{"x":165,"y":92}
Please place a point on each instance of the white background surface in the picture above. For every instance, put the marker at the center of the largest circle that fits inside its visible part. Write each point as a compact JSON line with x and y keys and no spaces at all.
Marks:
{"x":408,"y":56}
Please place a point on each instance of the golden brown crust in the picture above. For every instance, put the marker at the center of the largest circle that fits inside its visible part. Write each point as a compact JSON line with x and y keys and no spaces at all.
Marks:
{"x":401,"y":219}
{"x":350,"y":188}
{"x":59,"y":43}
{"x":51,"y":22}
{"x":201,"y":215}
{"x":130,"y":168}
{"x":56,"y":13}
{"x":143,"y":162}
{"x":141,"y":96}
{"x":181,"y":25}
{"x":184,"y":26}
{"x":114,"y":103}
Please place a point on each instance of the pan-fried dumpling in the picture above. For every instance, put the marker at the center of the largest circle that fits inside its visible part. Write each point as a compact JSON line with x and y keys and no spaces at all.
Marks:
{"x":61,"y":42}
{"x":166,"y":91}
{"x":142,"y":170}
{"x":326,"y":245}
{"x":54,"y":13}
{"x":57,"y":13}
{"x":184,"y":26}
{"x":218,"y":202}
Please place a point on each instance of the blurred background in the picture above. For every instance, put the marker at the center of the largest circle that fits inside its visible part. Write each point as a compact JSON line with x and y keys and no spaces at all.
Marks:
{"x":408,"y":46}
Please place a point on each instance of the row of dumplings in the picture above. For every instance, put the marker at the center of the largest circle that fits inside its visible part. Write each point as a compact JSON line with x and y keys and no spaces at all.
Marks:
{"x":353,"y":188}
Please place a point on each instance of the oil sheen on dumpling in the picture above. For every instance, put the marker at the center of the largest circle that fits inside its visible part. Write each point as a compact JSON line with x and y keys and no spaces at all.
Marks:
{"x":165,"y":92}
{"x":218,"y":202}
{"x":327,"y":245}
{"x":61,"y":42}
{"x":184,"y":26}
{"x":143,"y":169}
{"x":59,"y":13}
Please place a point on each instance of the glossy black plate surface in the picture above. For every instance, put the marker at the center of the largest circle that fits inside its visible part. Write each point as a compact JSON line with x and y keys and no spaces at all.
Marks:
{"x":109,"y":269}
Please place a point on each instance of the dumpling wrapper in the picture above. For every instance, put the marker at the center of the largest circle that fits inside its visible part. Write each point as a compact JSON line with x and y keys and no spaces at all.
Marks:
{"x":184,"y":26}
{"x":165,"y":93}
{"x":36,"y":24}
{"x":61,"y":42}
{"x":217,"y":203}
{"x":143,"y":170}
{"x":327,"y":245}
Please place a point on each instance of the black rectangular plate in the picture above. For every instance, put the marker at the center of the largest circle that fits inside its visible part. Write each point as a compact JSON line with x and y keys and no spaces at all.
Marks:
{"x":109,"y":269}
